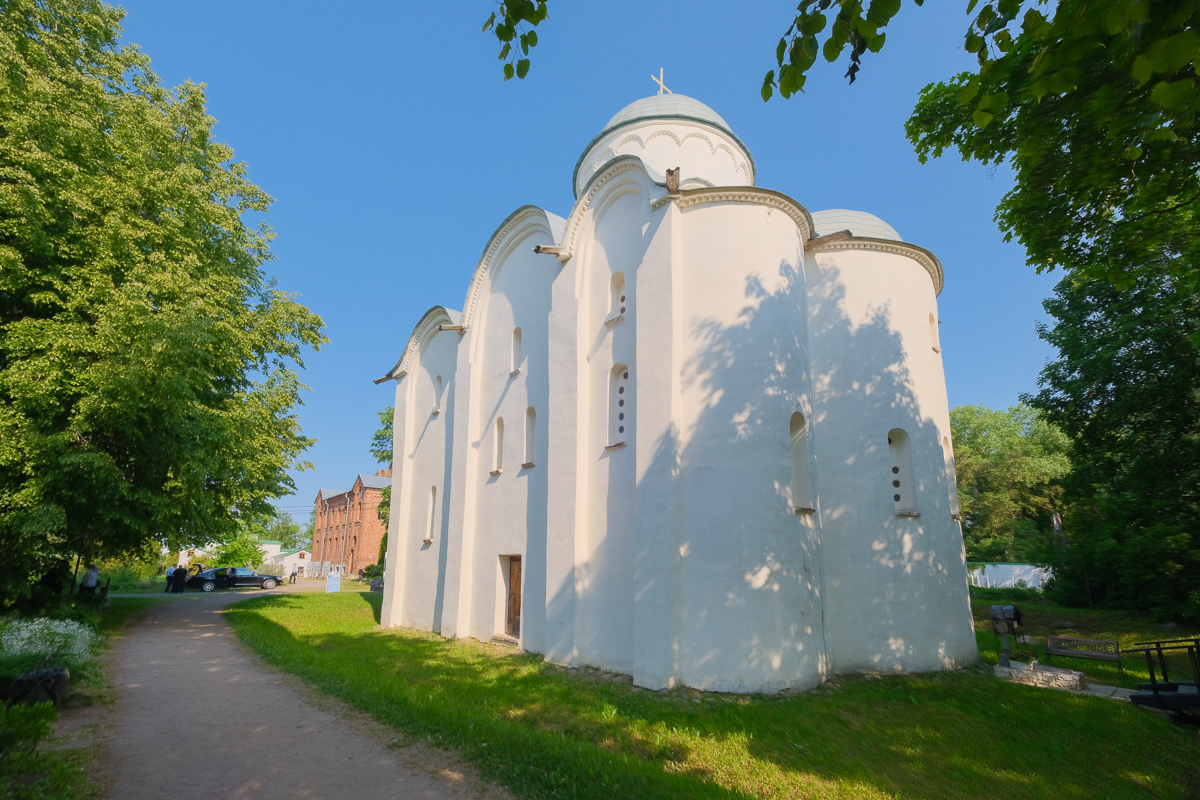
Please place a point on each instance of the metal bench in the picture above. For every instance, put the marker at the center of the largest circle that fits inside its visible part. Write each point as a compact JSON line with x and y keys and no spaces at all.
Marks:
{"x":1167,"y":694}
{"x":1094,"y":649}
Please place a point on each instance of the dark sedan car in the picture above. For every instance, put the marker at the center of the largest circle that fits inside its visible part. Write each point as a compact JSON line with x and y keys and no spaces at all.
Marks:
{"x":230,"y":578}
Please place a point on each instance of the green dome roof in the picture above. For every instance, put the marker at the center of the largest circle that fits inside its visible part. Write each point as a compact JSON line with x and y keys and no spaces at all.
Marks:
{"x":667,"y":105}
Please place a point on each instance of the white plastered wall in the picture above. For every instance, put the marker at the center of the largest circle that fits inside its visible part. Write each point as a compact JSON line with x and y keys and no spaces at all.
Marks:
{"x":751,"y":595}
{"x":896,"y":589}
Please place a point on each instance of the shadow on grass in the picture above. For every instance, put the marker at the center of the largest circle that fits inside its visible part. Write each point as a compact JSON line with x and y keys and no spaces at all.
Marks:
{"x":548,"y":735}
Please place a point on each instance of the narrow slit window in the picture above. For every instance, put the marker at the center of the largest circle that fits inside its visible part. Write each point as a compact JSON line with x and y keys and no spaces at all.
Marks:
{"x":498,"y":447}
{"x":516,"y":352}
{"x":620,"y":405}
{"x":951,"y":477}
{"x":933,"y":334}
{"x":530,"y":437}
{"x":437,"y":395}
{"x":617,"y":305}
{"x":802,"y":501}
{"x":430,"y":514}
{"x":902,"y":487}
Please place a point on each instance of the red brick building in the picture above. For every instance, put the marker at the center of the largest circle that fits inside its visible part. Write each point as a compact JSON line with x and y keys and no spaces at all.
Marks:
{"x":347,"y":533}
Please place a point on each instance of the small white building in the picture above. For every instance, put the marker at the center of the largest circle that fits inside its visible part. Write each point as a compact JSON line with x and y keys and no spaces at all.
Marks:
{"x":691,"y":431}
{"x":993,"y":575}
{"x":274,"y":555}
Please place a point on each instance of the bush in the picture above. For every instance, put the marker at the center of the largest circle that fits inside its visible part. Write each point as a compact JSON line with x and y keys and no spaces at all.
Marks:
{"x":373,"y":572}
{"x":61,"y":638}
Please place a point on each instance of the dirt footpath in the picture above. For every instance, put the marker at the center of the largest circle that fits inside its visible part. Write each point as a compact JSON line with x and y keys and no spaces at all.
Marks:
{"x":198,"y":718}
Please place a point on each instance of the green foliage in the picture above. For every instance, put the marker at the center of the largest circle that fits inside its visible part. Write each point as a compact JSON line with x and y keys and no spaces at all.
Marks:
{"x":146,"y":386}
{"x":1010,"y":465}
{"x":278,"y":526}
{"x":1126,"y":390}
{"x":373,"y":572}
{"x":381,"y":449}
{"x":382,"y":439}
{"x":545,"y":733}
{"x":1095,"y":110}
{"x":240,"y":551}
{"x":508,"y":23}
{"x":22,"y":727}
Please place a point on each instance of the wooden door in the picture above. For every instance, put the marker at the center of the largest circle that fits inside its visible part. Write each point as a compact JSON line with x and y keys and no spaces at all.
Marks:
{"x":512,"y":623}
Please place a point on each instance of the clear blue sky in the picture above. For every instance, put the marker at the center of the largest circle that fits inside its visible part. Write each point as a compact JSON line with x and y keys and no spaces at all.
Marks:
{"x":394,"y":149}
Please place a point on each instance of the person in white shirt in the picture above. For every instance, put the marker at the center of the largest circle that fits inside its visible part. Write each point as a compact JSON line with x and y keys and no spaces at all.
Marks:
{"x":91,"y":579}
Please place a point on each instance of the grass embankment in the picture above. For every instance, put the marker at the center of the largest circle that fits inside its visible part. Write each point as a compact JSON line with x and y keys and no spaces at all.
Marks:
{"x":546,"y":734}
{"x":1040,"y":617}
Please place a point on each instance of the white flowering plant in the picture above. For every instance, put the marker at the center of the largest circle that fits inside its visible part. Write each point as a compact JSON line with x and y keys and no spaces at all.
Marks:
{"x":63,"y":638}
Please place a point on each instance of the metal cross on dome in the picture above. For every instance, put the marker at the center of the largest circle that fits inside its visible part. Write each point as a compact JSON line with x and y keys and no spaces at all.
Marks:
{"x":662,"y":87}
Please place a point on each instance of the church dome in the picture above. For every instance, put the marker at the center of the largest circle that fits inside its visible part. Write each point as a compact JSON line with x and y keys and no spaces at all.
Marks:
{"x":667,"y":131}
{"x":667,"y":106}
{"x":859,"y":223}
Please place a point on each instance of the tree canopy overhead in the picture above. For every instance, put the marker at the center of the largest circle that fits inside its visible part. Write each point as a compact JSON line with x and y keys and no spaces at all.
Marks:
{"x":147,"y":364}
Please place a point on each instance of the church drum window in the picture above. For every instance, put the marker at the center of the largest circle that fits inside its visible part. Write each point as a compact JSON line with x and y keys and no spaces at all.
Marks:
{"x":437,"y":395}
{"x":620,"y":405}
{"x":515,"y":367}
{"x":498,"y":447}
{"x":933,"y":334}
{"x":902,"y":487}
{"x":430,"y":514}
{"x":951,"y":477}
{"x":802,"y":501}
{"x":530,"y":437}
{"x":616,"y":301}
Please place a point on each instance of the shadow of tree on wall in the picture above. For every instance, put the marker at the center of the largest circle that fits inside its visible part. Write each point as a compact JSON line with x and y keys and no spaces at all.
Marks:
{"x":750,"y":378}
{"x":520,"y":721}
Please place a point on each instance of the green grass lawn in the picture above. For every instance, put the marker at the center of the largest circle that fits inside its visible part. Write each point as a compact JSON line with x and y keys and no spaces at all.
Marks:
{"x":546,"y":734}
{"x":1039,"y":617}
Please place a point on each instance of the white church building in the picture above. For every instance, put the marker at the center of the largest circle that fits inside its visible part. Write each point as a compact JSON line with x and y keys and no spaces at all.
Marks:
{"x":691,"y":432}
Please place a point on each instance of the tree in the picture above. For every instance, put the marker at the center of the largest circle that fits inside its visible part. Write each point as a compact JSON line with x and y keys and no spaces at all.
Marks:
{"x":1096,"y":112}
{"x":278,"y":526}
{"x":1010,"y":465}
{"x":1095,"y":107}
{"x":1126,"y":390}
{"x":241,"y":550}
{"x":381,"y":448}
{"x":147,"y":364}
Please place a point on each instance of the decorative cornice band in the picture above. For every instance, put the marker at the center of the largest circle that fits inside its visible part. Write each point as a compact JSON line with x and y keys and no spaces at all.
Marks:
{"x":435,"y":316}
{"x":919,"y":254}
{"x":617,"y":166}
{"x":485,"y":260}
{"x":752,"y":195}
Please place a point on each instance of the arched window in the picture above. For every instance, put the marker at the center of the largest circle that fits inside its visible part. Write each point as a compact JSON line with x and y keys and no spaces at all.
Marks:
{"x":620,"y":405}
{"x":498,"y":447}
{"x":616,"y":302}
{"x":903,"y":489}
{"x":933,"y":334}
{"x":530,"y":437}
{"x":429,"y":515}
{"x":951,"y":477}
{"x":802,"y":501}
{"x":437,"y":395}
{"x":516,"y":352}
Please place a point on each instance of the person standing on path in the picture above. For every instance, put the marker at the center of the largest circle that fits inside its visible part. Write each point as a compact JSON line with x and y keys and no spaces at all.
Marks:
{"x":292,"y":578}
{"x":90,"y":580}
{"x":181,"y":576}
{"x":170,"y":576}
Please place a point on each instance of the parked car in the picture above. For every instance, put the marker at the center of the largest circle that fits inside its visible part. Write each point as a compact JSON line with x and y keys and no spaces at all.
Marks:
{"x":230,"y":578}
